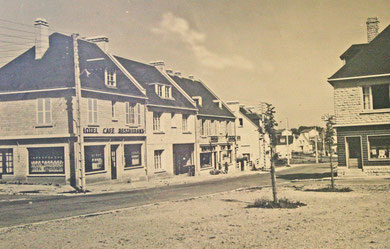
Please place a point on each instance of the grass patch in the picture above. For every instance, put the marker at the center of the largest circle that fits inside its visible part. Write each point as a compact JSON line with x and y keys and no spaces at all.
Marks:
{"x":283,"y":203}
{"x":329,"y":189}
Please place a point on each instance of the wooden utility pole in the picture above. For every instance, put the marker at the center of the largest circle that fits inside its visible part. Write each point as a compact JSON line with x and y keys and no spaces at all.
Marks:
{"x":80,"y":169}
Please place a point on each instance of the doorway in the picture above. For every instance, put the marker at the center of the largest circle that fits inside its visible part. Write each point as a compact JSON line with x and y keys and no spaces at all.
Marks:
{"x":354,"y":152}
{"x":114,"y":161}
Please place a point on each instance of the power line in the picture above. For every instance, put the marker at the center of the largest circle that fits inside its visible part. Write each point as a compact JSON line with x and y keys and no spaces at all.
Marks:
{"x":17,"y":23}
{"x":11,"y":50}
{"x":18,"y":30}
{"x":19,"y":37}
{"x":16,"y":43}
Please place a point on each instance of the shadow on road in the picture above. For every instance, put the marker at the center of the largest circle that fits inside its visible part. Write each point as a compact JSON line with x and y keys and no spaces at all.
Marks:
{"x":304,"y":176}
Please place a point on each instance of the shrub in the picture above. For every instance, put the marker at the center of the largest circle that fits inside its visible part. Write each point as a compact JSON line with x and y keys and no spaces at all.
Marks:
{"x":283,"y":203}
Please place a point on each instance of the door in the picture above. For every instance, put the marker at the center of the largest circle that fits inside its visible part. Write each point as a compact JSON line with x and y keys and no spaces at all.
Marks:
{"x":114,"y":161}
{"x":354,"y":155}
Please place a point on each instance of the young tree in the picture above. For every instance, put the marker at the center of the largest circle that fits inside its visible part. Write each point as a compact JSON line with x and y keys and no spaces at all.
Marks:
{"x":329,"y":133}
{"x":269,"y":128}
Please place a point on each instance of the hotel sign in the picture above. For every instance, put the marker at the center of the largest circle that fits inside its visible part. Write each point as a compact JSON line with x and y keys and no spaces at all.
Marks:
{"x":114,"y":131}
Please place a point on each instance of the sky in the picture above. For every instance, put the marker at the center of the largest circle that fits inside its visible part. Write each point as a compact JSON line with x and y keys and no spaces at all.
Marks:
{"x":274,"y":51}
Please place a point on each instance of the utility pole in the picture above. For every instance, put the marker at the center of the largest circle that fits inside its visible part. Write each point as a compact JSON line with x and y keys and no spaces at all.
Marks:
{"x":80,"y":169}
{"x":315,"y":140}
{"x":288,"y":147}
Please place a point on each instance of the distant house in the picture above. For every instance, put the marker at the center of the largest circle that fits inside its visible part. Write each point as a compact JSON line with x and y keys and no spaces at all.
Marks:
{"x":362,"y":103}
{"x":284,"y":143}
{"x":305,"y":141}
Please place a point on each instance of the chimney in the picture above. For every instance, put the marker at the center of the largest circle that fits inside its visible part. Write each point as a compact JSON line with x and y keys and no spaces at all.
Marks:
{"x":169,"y":71}
{"x":178,"y":73}
{"x":234,"y":106}
{"x":41,"y":27}
{"x":160,"y":65}
{"x":101,"y":41}
{"x":191,"y":77}
{"x":372,"y":28}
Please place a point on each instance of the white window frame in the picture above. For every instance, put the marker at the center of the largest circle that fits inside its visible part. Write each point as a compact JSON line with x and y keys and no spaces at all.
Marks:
{"x":92,"y":111}
{"x":369,"y":148}
{"x":110,"y":77}
{"x":157,"y":121}
{"x":138,"y":113}
{"x":158,"y":160}
{"x":46,"y":110}
{"x":130,"y":113}
{"x":369,"y":98}
{"x":185,"y":122}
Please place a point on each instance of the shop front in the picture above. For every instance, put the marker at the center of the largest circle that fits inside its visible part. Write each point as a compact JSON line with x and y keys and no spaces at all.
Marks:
{"x":183,"y":157}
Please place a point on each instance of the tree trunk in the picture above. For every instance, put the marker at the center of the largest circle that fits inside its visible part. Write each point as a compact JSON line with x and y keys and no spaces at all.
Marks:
{"x":273,"y":178}
{"x":331,"y":170}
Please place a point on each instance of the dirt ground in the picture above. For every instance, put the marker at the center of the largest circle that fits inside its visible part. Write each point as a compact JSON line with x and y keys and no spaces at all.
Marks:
{"x":357,"y":219}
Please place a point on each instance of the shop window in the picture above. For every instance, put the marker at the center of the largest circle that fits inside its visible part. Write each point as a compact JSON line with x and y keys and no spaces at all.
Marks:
{"x":156,"y":121}
{"x":157,"y":159}
{"x":46,"y":160}
{"x":92,"y":111}
{"x":376,"y":97}
{"x":379,"y":147}
{"x":110,"y":77}
{"x":205,"y":160}
{"x":94,"y":158}
{"x":132,"y":155}
{"x":6,"y":161}
{"x":185,"y":122}
{"x":44,"y":111}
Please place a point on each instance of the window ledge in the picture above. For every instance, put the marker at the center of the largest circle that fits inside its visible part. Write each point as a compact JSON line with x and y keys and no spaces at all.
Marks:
{"x":206,"y":168}
{"x":379,"y":160}
{"x":46,"y":175}
{"x":187,"y":132}
{"x":114,"y":120}
{"x":44,"y":126}
{"x":93,"y":125}
{"x":158,"y":132}
{"x":132,"y":126}
{"x":133,"y":167}
{"x":160,"y":171}
{"x":96,"y":172}
{"x":385,"y":110}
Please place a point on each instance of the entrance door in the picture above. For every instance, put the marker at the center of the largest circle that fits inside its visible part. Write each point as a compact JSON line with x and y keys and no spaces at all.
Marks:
{"x":113,"y":161}
{"x":354,"y":155}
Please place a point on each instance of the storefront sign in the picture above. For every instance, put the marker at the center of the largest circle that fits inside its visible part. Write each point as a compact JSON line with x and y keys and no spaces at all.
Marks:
{"x":95,"y":130}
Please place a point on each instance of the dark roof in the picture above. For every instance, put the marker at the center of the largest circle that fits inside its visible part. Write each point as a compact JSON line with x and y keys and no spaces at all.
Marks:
{"x":197,"y":88}
{"x":352,"y":51}
{"x":56,"y":69}
{"x":146,"y":75}
{"x":254,"y":117}
{"x":372,"y":59}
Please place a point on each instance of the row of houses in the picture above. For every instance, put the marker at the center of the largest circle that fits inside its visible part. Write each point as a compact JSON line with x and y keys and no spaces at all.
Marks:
{"x":70,"y":111}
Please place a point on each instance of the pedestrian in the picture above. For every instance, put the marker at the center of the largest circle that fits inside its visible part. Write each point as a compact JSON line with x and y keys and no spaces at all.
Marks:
{"x":226,"y":167}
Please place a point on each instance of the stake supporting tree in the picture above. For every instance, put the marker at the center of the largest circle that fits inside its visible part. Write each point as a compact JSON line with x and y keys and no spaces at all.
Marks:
{"x":329,"y":141}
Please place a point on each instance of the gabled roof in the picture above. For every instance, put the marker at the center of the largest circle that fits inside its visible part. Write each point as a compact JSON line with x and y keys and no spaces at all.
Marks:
{"x":352,"y":51}
{"x":371,"y":59}
{"x":209,"y":107}
{"x":147,"y":76}
{"x":253,"y":117}
{"x":56,"y":69}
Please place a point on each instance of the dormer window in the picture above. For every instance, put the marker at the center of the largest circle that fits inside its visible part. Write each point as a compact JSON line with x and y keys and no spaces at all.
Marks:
{"x":163,"y":91}
{"x":110,"y":77}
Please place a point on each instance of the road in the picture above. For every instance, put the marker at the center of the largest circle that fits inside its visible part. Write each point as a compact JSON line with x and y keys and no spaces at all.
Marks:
{"x":48,"y":208}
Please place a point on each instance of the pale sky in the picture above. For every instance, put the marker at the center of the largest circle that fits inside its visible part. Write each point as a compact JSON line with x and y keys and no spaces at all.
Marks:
{"x":280,"y":52}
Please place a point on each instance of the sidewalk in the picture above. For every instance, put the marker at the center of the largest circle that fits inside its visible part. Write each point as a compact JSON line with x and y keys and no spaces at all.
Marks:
{"x":117,"y":185}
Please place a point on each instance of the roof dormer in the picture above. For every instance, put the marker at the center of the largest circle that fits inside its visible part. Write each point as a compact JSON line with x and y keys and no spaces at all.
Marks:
{"x":164,"y":91}
{"x":219,"y":102}
{"x":110,"y":77}
{"x":198,"y":100}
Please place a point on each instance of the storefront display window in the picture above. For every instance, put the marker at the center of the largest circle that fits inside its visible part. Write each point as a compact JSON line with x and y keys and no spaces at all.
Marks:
{"x":46,"y":160}
{"x":133,"y":155}
{"x":205,"y":160}
{"x":94,"y":158}
{"x":379,"y":147}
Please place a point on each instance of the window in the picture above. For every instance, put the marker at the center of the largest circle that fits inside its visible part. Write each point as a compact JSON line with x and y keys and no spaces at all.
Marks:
{"x":156,"y":121}
{"x":113,"y":109}
{"x":167,"y":92}
{"x":205,"y":160}
{"x":6,"y":161}
{"x":157,"y":159}
{"x":379,"y":147}
{"x":212,"y":127}
{"x":94,"y":158}
{"x":44,"y":111}
{"x":159,"y":90}
{"x":110,"y":77}
{"x":132,"y":155}
{"x":46,"y":160}
{"x":240,"y":122}
{"x":205,"y":127}
{"x":139,"y":114}
{"x":130,"y":113}
{"x":92,"y":111}
{"x":376,"y":97}
{"x":185,"y":122}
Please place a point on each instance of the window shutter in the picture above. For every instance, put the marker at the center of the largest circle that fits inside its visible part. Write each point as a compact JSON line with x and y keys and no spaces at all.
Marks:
{"x":40,"y":111}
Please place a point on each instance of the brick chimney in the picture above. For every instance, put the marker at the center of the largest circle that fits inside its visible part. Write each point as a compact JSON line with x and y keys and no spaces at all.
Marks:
{"x":101,"y":41}
{"x":41,"y":27}
{"x":160,"y":65}
{"x":372,"y":28}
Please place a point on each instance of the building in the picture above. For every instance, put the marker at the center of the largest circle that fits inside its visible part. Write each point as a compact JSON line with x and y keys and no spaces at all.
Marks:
{"x":253,"y":147}
{"x":215,"y":133}
{"x":284,"y":143}
{"x":305,"y":141}
{"x":40,"y":124}
{"x":170,"y":120}
{"x":362,"y":106}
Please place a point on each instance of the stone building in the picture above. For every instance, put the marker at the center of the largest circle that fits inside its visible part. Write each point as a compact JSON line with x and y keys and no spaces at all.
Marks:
{"x":362,"y":104}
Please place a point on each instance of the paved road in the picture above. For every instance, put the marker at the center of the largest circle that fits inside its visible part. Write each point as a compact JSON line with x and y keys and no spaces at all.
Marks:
{"x":47,"y":208}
